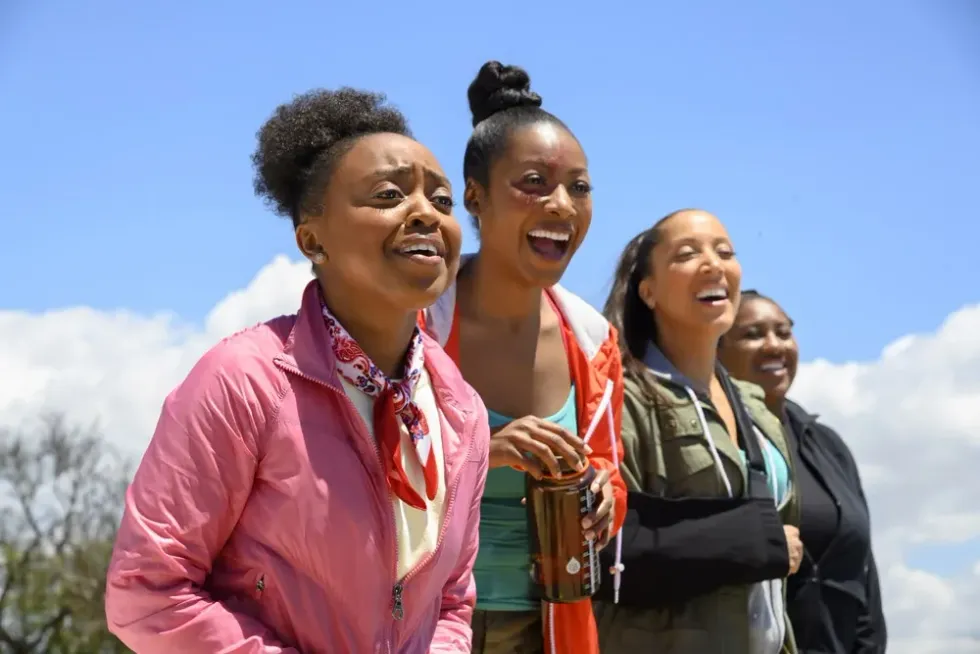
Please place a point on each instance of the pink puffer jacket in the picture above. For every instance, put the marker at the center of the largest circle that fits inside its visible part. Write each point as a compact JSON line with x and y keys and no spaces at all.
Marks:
{"x":259,"y":520}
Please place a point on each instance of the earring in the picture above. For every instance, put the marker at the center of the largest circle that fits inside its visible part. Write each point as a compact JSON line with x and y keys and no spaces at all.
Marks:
{"x":318,"y":258}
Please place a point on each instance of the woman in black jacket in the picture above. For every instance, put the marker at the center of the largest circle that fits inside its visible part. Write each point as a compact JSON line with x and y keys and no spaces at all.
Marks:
{"x":834,"y":599}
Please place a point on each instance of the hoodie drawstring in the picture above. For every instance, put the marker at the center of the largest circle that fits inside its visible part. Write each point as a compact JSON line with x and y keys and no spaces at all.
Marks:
{"x":711,"y":441}
{"x":605,"y":409}
{"x":769,"y":595}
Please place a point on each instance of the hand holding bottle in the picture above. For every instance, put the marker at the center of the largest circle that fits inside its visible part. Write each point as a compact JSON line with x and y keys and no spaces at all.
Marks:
{"x":534,"y":445}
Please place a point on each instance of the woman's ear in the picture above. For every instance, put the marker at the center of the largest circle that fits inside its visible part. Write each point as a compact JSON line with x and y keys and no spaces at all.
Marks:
{"x":308,"y":243}
{"x":647,"y":292}
{"x":474,"y":197}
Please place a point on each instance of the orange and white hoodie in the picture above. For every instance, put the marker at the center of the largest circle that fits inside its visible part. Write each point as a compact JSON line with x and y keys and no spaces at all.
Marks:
{"x":596,"y":370}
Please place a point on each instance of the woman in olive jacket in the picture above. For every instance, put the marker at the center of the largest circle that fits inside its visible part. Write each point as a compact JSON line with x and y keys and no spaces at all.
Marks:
{"x":709,"y":536}
{"x":834,"y":601}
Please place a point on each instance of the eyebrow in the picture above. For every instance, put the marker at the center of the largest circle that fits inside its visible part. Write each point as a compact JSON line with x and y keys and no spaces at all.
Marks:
{"x":544,"y":164}
{"x":690,"y":240}
{"x":406,"y":169}
{"x":757,"y":323}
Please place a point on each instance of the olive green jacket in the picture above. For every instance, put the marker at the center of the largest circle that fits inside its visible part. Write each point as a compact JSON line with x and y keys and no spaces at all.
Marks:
{"x":667,"y":454}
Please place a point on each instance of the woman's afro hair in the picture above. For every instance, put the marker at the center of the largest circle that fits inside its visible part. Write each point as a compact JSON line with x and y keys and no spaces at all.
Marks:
{"x":302,"y":141}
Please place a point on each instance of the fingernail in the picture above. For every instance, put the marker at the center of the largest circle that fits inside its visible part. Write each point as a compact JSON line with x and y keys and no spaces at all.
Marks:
{"x":586,"y":523}
{"x":588,"y":450}
{"x":589,"y":536}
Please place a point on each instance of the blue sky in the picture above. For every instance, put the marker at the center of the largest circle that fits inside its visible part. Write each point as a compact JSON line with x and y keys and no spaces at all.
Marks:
{"x":838,"y":141}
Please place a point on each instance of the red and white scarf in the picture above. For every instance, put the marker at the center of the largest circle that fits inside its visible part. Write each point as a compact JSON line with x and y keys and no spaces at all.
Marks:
{"x":393,"y":405}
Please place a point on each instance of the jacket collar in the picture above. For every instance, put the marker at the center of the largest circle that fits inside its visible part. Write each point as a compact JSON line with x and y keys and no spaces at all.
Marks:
{"x":660,"y":365}
{"x":308,"y":347}
{"x":799,"y":415}
{"x":308,"y":352}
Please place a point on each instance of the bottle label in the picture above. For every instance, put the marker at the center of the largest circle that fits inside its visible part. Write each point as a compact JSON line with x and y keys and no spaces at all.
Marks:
{"x":590,"y":580}
{"x":564,"y":565}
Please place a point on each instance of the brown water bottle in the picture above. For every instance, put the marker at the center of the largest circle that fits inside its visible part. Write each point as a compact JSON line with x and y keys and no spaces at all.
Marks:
{"x":564,"y":565}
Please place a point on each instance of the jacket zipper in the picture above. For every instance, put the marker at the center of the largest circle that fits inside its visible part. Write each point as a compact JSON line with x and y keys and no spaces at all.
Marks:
{"x":397,"y":609}
{"x":397,"y":590}
{"x":450,"y":505}
{"x":807,"y":460}
{"x":397,"y":603}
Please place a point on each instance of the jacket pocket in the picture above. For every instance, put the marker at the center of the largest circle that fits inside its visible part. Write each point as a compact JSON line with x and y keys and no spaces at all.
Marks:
{"x":269,"y":606}
{"x":255,"y":585}
{"x":689,"y":468}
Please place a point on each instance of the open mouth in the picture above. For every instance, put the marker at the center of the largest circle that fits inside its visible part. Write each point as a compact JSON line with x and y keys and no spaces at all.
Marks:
{"x":774,"y":367}
{"x":713,"y":296}
{"x":548,"y":244}
{"x":427,"y":252}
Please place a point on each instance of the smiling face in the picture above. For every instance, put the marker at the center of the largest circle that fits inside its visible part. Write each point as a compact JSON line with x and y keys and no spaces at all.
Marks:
{"x":537,"y":207}
{"x":761,"y":348}
{"x":387,"y":234}
{"x":693,"y":280}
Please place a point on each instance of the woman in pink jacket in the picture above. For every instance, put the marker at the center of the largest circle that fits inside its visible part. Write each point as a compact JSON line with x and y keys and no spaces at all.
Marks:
{"x":314,"y":484}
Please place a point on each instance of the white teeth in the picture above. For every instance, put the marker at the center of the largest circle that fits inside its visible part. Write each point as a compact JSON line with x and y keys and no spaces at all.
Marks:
{"x":421,"y":248}
{"x":772,"y":366}
{"x":713,"y":294}
{"x":554,"y":236}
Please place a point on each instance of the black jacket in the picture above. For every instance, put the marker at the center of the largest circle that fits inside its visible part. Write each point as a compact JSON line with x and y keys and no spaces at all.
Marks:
{"x":834,"y":601}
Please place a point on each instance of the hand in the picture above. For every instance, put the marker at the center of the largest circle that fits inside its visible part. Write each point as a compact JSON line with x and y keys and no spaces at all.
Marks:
{"x":544,"y":441}
{"x":597,"y":524}
{"x":795,"y":547}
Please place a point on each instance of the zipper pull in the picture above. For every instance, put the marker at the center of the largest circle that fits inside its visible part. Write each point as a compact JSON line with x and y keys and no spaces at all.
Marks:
{"x":397,"y":610}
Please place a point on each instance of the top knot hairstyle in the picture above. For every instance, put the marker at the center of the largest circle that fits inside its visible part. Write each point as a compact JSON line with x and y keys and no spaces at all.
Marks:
{"x":302,"y":141}
{"x":498,"y":88}
{"x":501,"y":101}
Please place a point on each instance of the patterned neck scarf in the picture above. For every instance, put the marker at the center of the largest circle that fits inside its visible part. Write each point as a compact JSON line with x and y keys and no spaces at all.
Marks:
{"x":393,"y":406}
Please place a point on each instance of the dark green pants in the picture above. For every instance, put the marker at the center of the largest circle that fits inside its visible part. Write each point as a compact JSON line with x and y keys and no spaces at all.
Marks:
{"x":507,"y":632}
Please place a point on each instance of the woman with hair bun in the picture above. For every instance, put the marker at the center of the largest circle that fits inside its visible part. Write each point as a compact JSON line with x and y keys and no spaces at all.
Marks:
{"x":546,"y":363}
{"x":314,"y":484}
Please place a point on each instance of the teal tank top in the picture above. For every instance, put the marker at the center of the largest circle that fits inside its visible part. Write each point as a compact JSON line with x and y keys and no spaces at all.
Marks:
{"x":777,"y":472}
{"x":502,"y":568}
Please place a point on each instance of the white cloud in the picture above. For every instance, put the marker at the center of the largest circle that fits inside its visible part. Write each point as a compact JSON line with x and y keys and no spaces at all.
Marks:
{"x":912,"y":418}
{"x":116,"y":366}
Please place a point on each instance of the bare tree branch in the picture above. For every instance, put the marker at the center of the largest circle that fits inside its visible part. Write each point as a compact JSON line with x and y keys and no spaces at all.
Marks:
{"x":61,"y":494}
